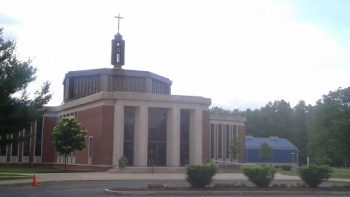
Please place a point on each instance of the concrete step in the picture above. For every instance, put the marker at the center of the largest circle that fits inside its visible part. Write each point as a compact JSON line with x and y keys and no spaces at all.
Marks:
{"x":147,"y":170}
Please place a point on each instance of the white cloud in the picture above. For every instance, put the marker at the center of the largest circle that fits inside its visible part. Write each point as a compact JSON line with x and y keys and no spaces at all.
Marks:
{"x":239,"y":53}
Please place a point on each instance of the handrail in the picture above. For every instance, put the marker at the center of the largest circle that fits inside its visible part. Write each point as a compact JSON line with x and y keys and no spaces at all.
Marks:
{"x":227,"y":162}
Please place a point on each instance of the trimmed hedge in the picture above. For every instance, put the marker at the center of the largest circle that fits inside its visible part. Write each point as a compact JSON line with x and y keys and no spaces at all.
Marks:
{"x":260,"y":175}
{"x":314,"y":175}
{"x":200,"y":175}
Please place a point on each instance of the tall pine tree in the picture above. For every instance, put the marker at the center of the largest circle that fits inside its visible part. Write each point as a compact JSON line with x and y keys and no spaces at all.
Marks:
{"x":17,"y":109}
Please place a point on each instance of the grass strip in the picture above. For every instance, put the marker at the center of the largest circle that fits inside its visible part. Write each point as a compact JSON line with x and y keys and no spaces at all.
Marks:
{"x":29,"y":170}
{"x":7,"y":176}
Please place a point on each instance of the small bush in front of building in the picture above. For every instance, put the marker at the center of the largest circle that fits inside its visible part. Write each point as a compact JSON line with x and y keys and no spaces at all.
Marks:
{"x":200,"y":176}
{"x":260,"y":175}
{"x":277,"y":167}
{"x":313,"y":175}
{"x":286,"y":167}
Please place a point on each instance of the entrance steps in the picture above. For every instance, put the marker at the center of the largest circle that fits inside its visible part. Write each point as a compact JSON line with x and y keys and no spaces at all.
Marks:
{"x":147,"y":170}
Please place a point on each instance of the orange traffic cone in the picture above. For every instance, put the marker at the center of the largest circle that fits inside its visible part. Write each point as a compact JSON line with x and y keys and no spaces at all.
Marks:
{"x":34,"y":181}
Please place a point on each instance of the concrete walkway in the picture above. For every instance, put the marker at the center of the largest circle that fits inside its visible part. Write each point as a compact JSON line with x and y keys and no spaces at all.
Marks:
{"x":105,"y":176}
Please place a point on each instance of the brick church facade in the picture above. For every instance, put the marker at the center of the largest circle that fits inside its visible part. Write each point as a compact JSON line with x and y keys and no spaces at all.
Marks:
{"x":128,"y":113}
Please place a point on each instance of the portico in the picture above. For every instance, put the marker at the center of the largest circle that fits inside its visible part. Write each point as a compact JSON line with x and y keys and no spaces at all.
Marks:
{"x":157,"y":127}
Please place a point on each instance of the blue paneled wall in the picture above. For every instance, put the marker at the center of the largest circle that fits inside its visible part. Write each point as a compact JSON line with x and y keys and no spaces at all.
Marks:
{"x":283,"y":151}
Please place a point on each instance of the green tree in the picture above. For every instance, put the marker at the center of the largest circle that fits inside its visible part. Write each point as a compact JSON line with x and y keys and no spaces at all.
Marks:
{"x":279,"y":119}
{"x":17,"y":109}
{"x":271,"y":120}
{"x":298,"y":130}
{"x":220,"y":111}
{"x":68,"y":136}
{"x":265,"y":152}
{"x":235,"y":147}
{"x":329,"y":129}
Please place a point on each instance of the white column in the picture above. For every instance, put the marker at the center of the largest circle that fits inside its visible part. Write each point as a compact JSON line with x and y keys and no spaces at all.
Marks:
{"x":66,"y":88}
{"x":173,"y":138}
{"x":196,"y":131}
{"x":141,"y":136}
{"x":118,"y":132}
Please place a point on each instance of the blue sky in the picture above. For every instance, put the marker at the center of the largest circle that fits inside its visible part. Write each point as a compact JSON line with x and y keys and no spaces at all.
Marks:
{"x":240,"y":53}
{"x":330,"y":15}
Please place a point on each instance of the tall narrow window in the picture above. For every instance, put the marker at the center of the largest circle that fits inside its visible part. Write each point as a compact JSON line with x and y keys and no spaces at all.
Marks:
{"x":129,"y":127}
{"x":157,"y":132}
{"x":14,"y":151}
{"x":38,"y":136}
{"x":220,"y":141}
{"x":90,"y":146}
{"x":184,"y":137}
{"x":26,"y":143}
{"x":212,"y":141}
{"x":3,"y":146}
{"x":227,"y":139}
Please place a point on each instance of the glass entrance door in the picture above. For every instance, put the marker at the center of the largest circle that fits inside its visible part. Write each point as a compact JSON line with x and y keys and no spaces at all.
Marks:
{"x":157,"y":153}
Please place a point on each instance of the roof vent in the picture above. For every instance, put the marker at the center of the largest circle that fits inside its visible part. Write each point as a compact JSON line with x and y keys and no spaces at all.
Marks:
{"x":274,"y":138}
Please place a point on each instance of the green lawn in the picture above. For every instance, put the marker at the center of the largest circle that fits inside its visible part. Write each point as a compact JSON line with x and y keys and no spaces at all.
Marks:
{"x":337,"y":174}
{"x":341,"y":174}
{"x":11,"y":173}
{"x":7,"y":176}
{"x":29,"y":170}
{"x":289,"y":173}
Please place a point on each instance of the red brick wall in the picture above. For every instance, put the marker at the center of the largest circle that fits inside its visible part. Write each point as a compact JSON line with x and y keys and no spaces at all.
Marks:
{"x":48,"y":153}
{"x":206,"y":136}
{"x":98,"y":122}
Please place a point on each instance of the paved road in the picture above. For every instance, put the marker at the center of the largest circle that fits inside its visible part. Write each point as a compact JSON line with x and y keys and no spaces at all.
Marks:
{"x":96,"y":188}
{"x":93,"y":184}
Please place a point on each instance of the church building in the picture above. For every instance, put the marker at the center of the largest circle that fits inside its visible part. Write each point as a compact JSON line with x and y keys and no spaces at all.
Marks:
{"x":128,"y":113}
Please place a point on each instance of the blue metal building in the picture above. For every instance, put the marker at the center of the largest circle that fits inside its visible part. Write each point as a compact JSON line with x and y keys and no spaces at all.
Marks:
{"x":283,"y":151}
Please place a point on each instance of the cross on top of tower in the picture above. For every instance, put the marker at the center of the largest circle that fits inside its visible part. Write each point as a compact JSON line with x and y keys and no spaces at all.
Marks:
{"x":118,"y":17}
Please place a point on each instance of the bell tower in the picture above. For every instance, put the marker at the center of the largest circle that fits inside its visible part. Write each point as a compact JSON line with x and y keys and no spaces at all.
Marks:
{"x":118,"y":48}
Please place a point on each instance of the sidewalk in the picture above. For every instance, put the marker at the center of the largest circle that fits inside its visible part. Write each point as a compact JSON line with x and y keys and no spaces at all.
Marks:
{"x":105,"y":176}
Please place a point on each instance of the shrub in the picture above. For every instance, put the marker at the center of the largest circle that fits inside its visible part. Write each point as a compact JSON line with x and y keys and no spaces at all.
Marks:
{"x":260,"y":175}
{"x":286,"y":167}
{"x":314,"y":175}
{"x":200,"y":175}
